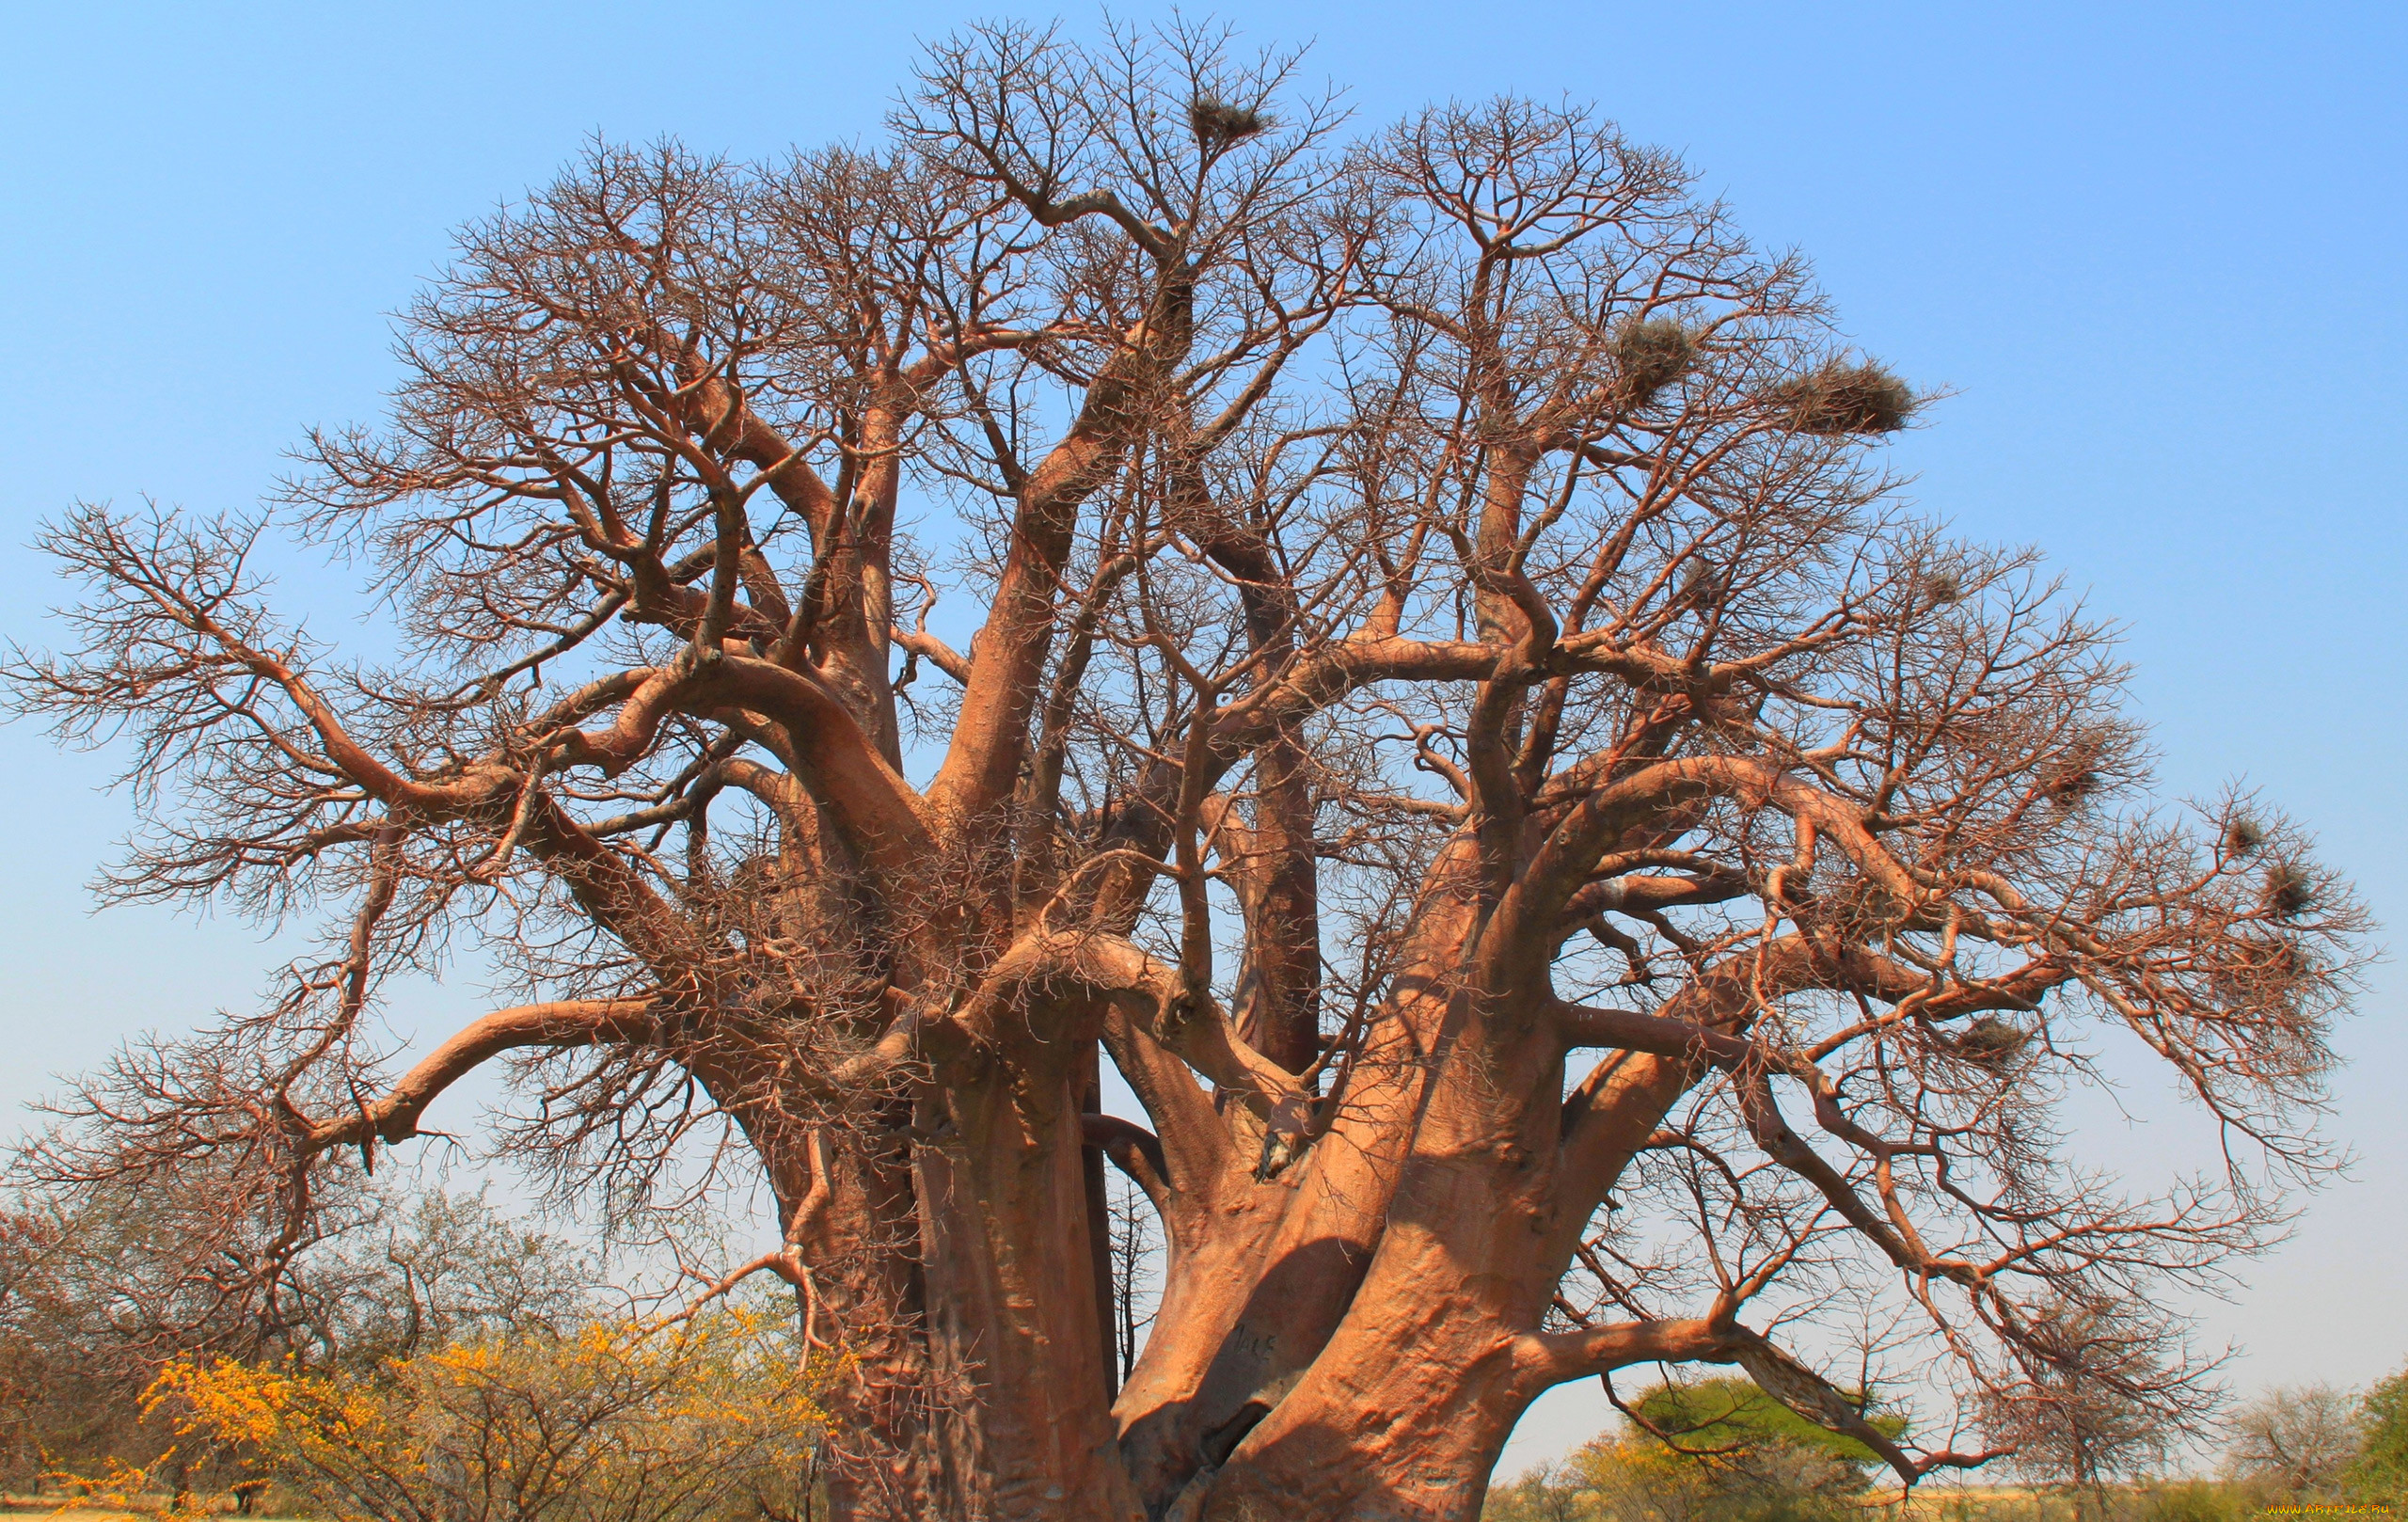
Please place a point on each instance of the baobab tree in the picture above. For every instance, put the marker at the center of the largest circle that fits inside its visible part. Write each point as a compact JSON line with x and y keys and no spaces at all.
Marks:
{"x":1440,"y":693}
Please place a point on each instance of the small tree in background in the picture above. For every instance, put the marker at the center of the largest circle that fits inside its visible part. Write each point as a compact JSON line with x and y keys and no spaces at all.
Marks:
{"x":1708,"y":1450}
{"x":1734,"y":1421}
{"x":2107,"y":1399}
{"x":2300,"y":1440}
{"x":1137,"y":1254}
{"x":2379,"y":1472}
{"x":1545,"y":1493}
{"x":435,"y":1268}
{"x":2083,"y":1435}
{"x":714,"y":1418}
{"x":97,"y":1296}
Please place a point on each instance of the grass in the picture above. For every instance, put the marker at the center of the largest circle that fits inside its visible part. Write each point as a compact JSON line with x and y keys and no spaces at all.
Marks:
{"x":47,"y":1506}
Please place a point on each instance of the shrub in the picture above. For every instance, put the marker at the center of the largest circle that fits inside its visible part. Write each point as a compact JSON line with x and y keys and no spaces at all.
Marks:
{"x":711,"y":1418}
{"x":2380,"y":1471}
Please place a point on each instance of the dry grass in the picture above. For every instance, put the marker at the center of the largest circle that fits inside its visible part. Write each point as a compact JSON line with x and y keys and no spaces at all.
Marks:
{"x":47,"y":1506}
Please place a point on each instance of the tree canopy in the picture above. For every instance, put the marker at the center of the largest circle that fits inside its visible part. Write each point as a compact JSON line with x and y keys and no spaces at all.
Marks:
{"x":1709,"y":1417}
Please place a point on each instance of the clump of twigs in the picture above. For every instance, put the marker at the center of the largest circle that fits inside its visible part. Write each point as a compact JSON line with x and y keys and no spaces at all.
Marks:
{"x":1847,"y":398}
{"x":2244,"y":834}
{"x":2279,"y":961}
{"x":1651,"y":353}
{"x":2075,"y":778}
{"x":1219,"y":124}
{"x":2289,"y":891}
{"x":1867,"y":908}
{"x":1992,"y":1042}
{"x":1701,"y":584}
{"x":2071,"y":785}
{"x":1939,"y":589}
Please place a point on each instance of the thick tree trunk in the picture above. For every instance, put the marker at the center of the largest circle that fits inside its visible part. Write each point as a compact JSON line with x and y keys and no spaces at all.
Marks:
{"x":1400,"y":1419}
{"x":1242,"y":1312}
{"x":1266,"y":1271}
{"x":1273,"y":1386}
{"x":1403,"y":1412}
{"x":1275,"y":1366}
{"x":1013,"y":1310}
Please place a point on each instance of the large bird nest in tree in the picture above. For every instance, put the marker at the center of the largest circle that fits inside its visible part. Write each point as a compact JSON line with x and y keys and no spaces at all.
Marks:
{"x":1847,"y":397}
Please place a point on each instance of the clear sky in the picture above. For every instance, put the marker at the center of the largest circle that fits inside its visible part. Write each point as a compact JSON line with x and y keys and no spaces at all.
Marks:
{"x":2156,"y":253}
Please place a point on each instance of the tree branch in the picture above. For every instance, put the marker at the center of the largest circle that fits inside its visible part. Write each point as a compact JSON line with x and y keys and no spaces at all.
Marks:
{"x":565,"y":1024}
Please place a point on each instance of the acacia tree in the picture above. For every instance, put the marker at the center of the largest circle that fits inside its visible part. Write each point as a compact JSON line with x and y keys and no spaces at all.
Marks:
{"x":1432,"y":617}
{"x":96,"y":1302}
{"x":2299,"y":1439}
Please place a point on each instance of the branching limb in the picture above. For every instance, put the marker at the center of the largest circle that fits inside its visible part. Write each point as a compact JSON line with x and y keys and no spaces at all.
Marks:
{"x":394,"y":1117}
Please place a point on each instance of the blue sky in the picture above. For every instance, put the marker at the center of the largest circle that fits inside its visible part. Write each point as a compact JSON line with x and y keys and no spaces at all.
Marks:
{"x":2155,"y":253}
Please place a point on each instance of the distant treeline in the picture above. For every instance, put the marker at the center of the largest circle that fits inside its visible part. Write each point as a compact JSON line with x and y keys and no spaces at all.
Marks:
{"x":1719,"y":1450}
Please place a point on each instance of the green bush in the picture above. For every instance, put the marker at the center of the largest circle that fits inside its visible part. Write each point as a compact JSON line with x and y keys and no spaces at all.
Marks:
{"x":2380,"y":1472}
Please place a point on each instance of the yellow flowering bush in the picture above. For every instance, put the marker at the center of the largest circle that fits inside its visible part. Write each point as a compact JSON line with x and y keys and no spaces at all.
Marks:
{"x":711,"y":1418}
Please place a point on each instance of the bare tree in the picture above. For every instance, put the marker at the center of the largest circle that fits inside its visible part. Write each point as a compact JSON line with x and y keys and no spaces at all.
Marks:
{"x":1439,"y":617}
{"x":2104,"y":1402}
{"x":1136,"y":1248}
{"x":2302,"y":1439}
